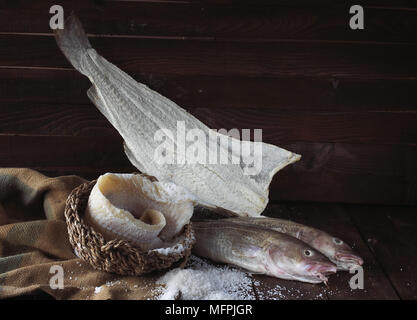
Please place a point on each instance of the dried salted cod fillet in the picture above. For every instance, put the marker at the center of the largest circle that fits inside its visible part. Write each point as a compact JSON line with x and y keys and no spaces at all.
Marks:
{"x":138,"y":113}
{"x":134,"y":208}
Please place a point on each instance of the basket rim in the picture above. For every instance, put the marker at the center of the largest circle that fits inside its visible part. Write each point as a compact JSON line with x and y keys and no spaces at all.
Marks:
{"x":117,"y":255}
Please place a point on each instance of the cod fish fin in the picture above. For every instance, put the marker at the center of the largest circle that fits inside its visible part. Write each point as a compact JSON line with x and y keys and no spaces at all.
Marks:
{"x":243,"y":250}
{"x":130,"y":155}
{"x":273,"y":159}
{"x":98,"y":100}
{"x":73,"y":43}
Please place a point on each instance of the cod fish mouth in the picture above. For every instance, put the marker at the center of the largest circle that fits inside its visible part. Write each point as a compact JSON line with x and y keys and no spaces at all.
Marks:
{"x":320,"y":271}
{"x":347,"y":261}
{"x":349,"y":258}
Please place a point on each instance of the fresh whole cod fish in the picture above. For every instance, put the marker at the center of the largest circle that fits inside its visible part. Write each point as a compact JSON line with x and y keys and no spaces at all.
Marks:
{"x":334,"y":248}
{"x":137,"y":112}
{"x":260,"y":250}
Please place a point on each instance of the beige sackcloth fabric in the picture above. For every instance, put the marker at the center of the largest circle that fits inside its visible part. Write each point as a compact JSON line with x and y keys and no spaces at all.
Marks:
{"x":33,"y":238}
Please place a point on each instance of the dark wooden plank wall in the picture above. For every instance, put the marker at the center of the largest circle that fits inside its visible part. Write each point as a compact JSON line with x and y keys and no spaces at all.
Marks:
{"x":346,"y":100}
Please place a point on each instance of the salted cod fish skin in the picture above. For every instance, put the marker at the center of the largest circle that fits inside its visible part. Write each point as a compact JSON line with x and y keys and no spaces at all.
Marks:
{"x":138,"y":112}
{"x":260,"y":250}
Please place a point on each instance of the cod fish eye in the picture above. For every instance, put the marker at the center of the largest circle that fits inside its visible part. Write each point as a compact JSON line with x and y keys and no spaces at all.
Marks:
{"x":308,"y":253}
{"x":337,"y":241}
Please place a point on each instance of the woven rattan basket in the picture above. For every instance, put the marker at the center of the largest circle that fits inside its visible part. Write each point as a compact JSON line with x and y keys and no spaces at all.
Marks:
{"x":117,"y":256}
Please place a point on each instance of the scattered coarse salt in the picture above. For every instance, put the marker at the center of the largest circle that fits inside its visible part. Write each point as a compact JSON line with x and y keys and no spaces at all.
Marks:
{"x":177,"y":248}
{"x":111,"y":283}
{"x":170,"y":250}
{"x":76,"y":253}
{"x":203,"y":281}
{"x":98,"y":289}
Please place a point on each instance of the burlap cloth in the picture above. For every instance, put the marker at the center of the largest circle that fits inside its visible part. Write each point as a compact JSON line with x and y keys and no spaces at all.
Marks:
{"x":33,"y":238}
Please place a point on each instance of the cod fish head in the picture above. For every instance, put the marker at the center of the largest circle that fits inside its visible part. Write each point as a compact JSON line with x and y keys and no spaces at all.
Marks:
{"x":337,"y":251}
{"x":299,"y":262}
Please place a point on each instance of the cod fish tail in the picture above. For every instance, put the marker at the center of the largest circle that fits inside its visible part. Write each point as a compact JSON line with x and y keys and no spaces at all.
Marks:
{"x":74,"y":43}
